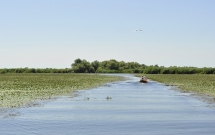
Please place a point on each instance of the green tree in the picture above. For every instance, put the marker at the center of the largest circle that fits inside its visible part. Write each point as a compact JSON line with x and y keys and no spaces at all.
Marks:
{"x":95,"y":64}
{"x":82,"y":66}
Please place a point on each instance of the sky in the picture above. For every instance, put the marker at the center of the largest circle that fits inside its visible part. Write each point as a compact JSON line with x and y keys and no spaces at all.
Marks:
{"x":53,"y":33}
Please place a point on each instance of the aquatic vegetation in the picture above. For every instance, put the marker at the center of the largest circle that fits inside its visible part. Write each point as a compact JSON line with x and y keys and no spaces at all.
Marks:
{"x":199,"y":83}
{"x":18,"y":89}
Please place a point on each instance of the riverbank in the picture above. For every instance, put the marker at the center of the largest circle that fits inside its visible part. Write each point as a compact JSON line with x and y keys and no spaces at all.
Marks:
{"x":198,"y":83}
{"x":19,"y":89}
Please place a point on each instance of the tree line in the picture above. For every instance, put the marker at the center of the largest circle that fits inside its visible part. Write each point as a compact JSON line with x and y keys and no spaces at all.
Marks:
{"x":35,"y":70}
{"x":114,"y":66}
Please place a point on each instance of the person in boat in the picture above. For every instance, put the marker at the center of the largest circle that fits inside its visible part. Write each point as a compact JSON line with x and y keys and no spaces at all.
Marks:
{"x":143,"y":79}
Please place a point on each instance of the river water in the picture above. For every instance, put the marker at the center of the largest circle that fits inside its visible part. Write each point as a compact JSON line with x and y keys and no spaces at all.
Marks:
{"x":132,"y":108}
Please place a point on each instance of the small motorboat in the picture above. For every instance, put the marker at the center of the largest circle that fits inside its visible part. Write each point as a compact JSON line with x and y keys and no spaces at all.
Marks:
{"x":144,"y":80}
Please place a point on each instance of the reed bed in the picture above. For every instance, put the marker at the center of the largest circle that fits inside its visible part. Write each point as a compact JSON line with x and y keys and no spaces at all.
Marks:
{"x":198,"y":83}
{"x":19,"y":89}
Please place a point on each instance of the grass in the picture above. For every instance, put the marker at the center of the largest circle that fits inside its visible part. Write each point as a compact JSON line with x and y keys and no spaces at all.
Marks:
{"x":19,"y":89}
{"x":198,"y":83}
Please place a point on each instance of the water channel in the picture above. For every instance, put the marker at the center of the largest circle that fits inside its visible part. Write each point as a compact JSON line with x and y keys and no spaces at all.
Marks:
{"x":119,"y":108}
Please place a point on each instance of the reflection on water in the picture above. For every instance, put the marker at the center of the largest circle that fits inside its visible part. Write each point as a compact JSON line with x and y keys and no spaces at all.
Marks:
{"x":134,"y":108}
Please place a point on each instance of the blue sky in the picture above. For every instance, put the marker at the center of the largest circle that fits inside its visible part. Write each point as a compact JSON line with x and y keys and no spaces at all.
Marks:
{"x":53,"y":33}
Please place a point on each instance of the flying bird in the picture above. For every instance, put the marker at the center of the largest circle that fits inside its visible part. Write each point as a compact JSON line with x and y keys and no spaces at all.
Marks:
{"x":139,"y":30}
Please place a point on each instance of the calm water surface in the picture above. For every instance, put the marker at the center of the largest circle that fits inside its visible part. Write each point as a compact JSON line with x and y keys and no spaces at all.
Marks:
{"x":135,"y":109}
